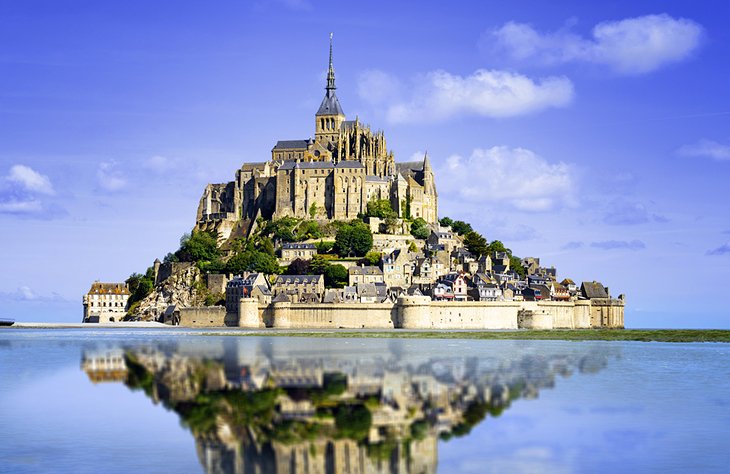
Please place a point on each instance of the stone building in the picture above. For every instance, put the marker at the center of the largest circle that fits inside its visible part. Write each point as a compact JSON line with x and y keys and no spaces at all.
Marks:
{"x":296,"y":286}
{"x":364,"y":274}
{"x":105,"y":302}
{"x":330,"y":176}
{"x":293,"y":250}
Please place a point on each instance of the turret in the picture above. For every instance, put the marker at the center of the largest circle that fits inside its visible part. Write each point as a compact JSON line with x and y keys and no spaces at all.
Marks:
{"x":330,"y":116}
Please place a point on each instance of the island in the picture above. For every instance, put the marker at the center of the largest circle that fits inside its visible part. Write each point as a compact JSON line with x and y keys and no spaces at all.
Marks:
{"x":333,"y":232}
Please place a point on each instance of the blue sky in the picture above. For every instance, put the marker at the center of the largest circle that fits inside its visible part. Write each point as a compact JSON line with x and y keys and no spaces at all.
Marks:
{"x":593,"y":135}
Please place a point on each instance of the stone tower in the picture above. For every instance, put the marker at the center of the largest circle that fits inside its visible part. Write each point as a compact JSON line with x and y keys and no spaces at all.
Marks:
{"x":430,"y":196}
{"x":330,"y":116}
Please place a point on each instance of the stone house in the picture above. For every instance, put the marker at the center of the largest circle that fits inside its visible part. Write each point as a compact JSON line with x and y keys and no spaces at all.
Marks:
{"x":397,"y":268}
{"x":501,"y":260}
{"x":292,"y":250}
{"x":367,"y":293}
{"x":295,"y":286}
{"x":485,"y":264}
{"x":570,"y":285}
{"x":531,"y":265}
{"x":593,"y":290}
{"x":105,"y":302}
{"x":446,"y":241}
{"x":364,"y":274}
{"x":458,"y":284}
{"x":442,"y":292}
{"x":532,"y":293}
{"x":484,"y":288}
{"x":558,"y":292}
{"x":536,"y":279}
{"x":251,"y":285}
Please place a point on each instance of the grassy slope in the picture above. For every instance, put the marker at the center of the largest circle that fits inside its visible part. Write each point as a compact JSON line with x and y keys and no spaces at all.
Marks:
{"x":659,"y":335}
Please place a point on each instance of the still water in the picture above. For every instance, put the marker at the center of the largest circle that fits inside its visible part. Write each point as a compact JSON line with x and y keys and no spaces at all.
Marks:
{"x":177,"y":401}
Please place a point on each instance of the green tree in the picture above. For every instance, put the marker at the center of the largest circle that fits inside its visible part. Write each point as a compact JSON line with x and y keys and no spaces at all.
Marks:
{"x":335,"y":276}
{"x":498,"y":246}
{"x":354,"y":238}
{"x":199,"y":246}
{"x":313,"y":210}
{"x":140,"y":285}
{"x":318,"y":265}
{"x":391,"y":224}
{"x":419,"y":228}
{"x":515,"y":263}
{"x":461,"y":227}
{"x":252,"y":260}
{"x":380,"y":208}
{"x":446,"y":222}
{"x":298,"y":267}
{"x":324,"y":246}
{"x":412,"y":247}
{"x":308,"y":230}
{"x":476,"y":243}
{"x":353,"y":421}
{"x":372,"y":258}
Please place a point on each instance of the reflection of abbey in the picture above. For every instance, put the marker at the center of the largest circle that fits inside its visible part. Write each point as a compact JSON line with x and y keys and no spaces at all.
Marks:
{"x":332,"y":176}
{"x":285,"y":406}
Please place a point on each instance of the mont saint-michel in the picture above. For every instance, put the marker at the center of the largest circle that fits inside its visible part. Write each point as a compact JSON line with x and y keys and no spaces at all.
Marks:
{"x":331,"y":231}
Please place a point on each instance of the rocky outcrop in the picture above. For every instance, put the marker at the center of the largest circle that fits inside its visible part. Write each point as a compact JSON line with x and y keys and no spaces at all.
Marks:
{"x":181,"y":289}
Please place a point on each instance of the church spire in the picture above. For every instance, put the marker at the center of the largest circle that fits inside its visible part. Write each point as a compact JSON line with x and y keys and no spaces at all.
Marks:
{"x":330,"y":105}
{"x":426,"y":163}
{"x":331,"y":71}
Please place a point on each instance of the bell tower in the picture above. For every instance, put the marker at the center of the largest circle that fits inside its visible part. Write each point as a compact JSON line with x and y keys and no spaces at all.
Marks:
{"x":330,"y":116}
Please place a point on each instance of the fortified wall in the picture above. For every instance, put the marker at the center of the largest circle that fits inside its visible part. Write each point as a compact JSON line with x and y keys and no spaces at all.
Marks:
{"x":416,"y":312}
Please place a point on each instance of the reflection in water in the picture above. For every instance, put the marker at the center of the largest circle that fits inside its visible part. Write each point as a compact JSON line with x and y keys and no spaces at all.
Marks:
{"x":287,"y":405}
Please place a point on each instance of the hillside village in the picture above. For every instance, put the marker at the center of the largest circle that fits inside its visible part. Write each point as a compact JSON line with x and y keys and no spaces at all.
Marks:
{"x":336,"y":220}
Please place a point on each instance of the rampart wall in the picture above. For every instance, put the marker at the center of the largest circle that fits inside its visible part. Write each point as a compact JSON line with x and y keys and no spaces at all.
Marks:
{"x":419,"y":312}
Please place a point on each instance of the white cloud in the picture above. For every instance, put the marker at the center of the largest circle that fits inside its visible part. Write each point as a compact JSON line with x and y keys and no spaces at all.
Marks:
{"x":158,"y":164}
{"x":515,"y":177}
{"x":30,"y":180}
{"x":631,"y":46}
{"x":109,"y":177}
{"x":21,"y":206}
{"x":706,"y":149}
{"x":440,"y":95}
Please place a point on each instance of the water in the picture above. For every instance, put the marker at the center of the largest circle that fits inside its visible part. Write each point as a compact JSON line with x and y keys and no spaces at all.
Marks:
{"x":176,"y":401}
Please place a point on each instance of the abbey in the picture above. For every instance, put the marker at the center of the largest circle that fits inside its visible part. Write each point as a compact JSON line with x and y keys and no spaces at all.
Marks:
{"x":331,"y":176}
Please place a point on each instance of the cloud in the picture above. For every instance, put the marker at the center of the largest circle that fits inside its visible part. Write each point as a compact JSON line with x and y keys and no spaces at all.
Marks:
{"x":26,"y":293}
{"x":574,"y":245}
{"x":109,"y":177}
{"x":24,"y":192}
{"x":623,"y":212}
{"x":706,"y":149}
{"x":439,"y":95}
{"x":724,"y":249}
{"x":30,"y":180}
{"x":513,"y":177}
{"x":619,"y":244}
{"x":159,"y":164}
{"x":631,"y":46}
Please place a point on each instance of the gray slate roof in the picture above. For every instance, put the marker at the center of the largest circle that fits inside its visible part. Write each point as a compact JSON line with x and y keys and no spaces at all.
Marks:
{"x":306,"y":165}
{"x":349,"y":164}
{"x":298,"y":246}
{"x":297,"y":279}
{"x":366,"y":270}
{"x":330,"y":104}
{"x":593,"y":289}
{"x":291,"y":144}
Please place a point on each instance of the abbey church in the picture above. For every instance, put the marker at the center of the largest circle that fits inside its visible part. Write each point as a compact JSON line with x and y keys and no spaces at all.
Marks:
{"x":331,"y":176}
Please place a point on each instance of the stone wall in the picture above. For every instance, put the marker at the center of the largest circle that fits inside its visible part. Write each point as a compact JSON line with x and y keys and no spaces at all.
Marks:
{"x":419,"y":312}
{"x":168,"y":269}
{"x":203,"y":316}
